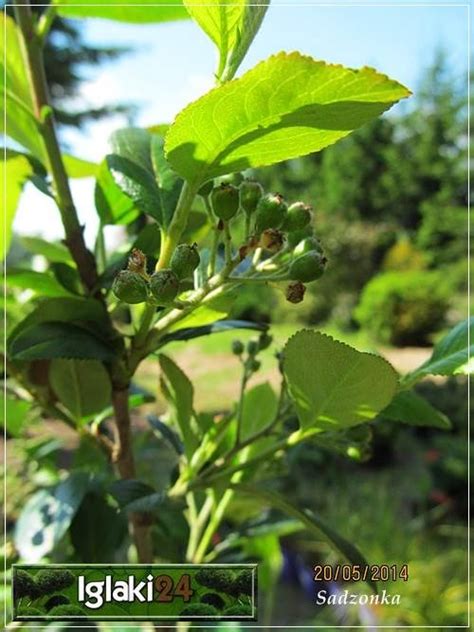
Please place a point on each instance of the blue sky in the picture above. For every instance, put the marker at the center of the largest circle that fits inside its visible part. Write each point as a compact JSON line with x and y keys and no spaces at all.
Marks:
{"x":173,"y":63}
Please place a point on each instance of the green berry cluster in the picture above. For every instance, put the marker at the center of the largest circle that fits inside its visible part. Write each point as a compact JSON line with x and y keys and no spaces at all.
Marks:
{"x":254,"y":346}
{"x":134,"y":285}
{"x":273,"y":225}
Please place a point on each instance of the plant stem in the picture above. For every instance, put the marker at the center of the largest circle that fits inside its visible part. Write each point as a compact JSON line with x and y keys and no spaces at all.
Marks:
{"x":33,"y":61}
{"x":123,"y":456}
{"x":240,"y":411}
{"x":31,"y":44}
{"x":177,"y":225}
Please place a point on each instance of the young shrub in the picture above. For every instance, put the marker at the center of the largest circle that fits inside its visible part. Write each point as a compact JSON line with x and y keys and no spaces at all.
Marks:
{"x":213,"y":599}
{"x":403,"y":308}
{"x":216,"y":578}
{"x":243,"y":582}
{"x":69,"y":610}
{"x":56,"y":600}
{"x":240,"y":609}
{"x":49,"y":581}
{"x":24,"y":585}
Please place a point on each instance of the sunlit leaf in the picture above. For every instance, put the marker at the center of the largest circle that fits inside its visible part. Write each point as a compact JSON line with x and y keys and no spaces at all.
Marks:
{"x":333,"y":385}
{"x":145,"y":11}
{"x":287,"y":106}
{"x":16,"y":170}
{"x":20,"y":123}
{"x":451,"y":355}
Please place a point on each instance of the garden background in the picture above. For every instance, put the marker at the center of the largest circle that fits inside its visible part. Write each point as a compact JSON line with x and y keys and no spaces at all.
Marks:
{"x":390,"y":207}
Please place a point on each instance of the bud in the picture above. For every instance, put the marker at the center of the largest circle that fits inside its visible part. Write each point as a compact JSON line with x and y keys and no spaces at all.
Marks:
{"x":307,"y":245}
{"x":237,"y":347}
{"x":253,"y":365}
{"x":299,"y":216}
{"x":130,"y":287}
{"x":295,"y":292}
{"x":250,"y":194}
{"x":293,"y":238}
{"x":164,"y":286}
{"x":185,"y":260}
{"x":137,"y":262}
{"x":271,"y":212}
{"x":206,"y":188}
{"x":307,"y":267}
{"x":265,"y":341}
{"x":225,"y":201}
{"x":272,"y":240}
{"x":252,"y":347}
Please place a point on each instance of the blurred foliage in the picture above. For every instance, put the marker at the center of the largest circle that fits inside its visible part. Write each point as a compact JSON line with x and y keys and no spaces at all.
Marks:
{"x":404,"y":308}
{"x":67,"y":57}
{"x":403,"y":255}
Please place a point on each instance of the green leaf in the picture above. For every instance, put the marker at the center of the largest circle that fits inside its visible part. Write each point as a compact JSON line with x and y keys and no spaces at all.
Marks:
{"x":16,"y":171}
{"x":113,"y":206}
{"x":149,"y":240}
{"x":126,"y":491}
{"x":146,"y":11}
{"x":166,"y":432}
{"x":82,"y":386}
{"x":333,"y":385}
{"x":231,"y":25}
{"x":310,"y":521}
{"x":20,"y":123}
{"x":78,"y":167}
{"x":287,"y":106}
{"x":97,"y":530}
{"x":179,"y":394}
{"x":188,"y":333}
{"x":251,"y":21}
{"x":47,"y":515}
{"x":259,"y":410}
{"x":451,"y":355}
{"x":41,"y":283}
{"x":169,"y":184}
{"x":140,"y":170}
{"x":52,"y":251}
{"x":49,"y":340}
{"x":15,"y":414}
{"x":72,"y":310}
{"x":409,"y":408}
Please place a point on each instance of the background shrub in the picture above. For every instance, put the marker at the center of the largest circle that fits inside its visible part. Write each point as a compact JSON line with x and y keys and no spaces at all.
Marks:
{"x":403,"y":308}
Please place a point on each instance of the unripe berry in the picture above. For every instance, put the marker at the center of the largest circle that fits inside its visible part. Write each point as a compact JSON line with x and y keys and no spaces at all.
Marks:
{"x":130,"y":287}
{"x":185,"y":260}
{"x":308,"y":245}
{"x":307,"y":267}
{"x":250,"y":194}
{"x":164,"y":286}
{"x":225,"y":201}
{"x":271,"y":212}
{"x":294,"y":238}
{"x":252,"y":347}
{"x":254,"y":365}
{"x":299,"y":216}
{"x":295,"y":292}
{"x":237,"y":347}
